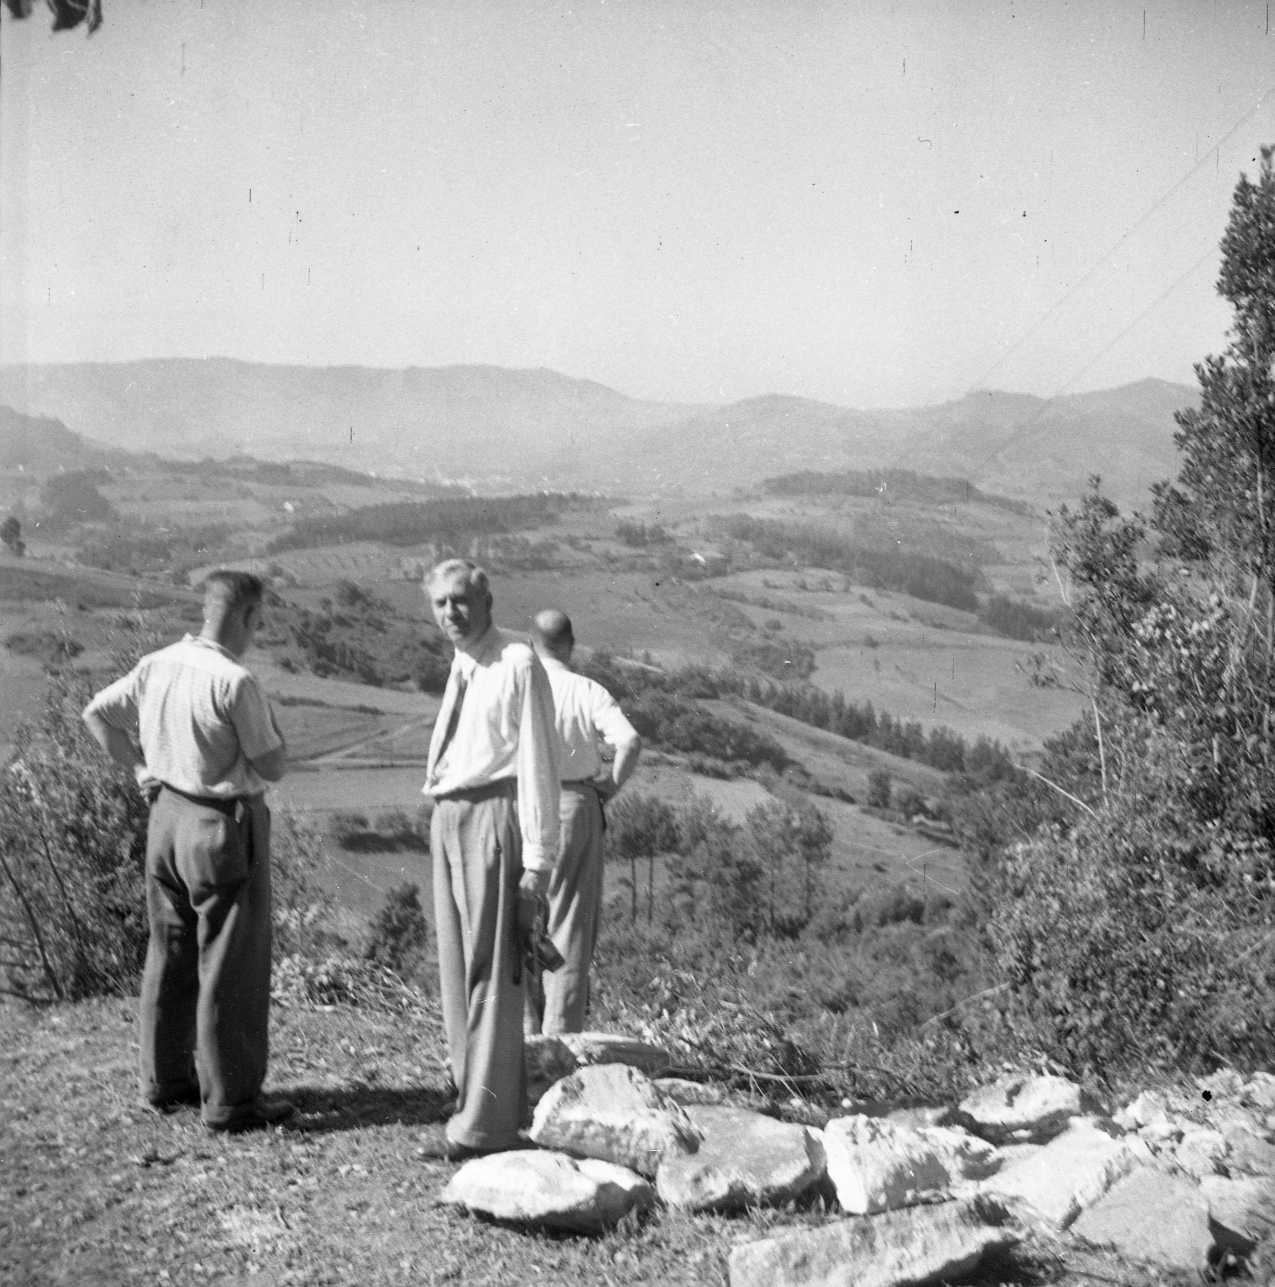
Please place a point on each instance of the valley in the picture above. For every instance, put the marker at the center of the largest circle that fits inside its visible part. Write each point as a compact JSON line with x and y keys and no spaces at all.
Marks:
{"x":798,"y":581}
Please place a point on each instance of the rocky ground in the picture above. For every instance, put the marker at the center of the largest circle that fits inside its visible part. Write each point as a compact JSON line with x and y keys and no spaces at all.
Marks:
{"x":1025,"y":1184}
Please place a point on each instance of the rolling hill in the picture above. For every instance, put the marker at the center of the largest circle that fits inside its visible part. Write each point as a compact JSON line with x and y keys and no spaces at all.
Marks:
{"x":522,"y":430}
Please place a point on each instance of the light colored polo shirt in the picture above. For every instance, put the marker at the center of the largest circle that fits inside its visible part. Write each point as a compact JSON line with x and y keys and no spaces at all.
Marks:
{"x":198,"y":715}
{"x":584,"y":712}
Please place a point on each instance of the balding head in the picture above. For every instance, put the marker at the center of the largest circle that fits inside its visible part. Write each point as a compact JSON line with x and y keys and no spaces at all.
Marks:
{"x":551,"y":634}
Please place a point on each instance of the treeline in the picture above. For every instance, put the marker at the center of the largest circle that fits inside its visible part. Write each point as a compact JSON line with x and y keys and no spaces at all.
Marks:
{"x":641,"y":535}
{"x":983,"y":760}
{"x":662,"y":700}
{"x":897,"y":484}
{"x":886,"y":568}
{"x":413,"y":522}
{"x":1017,"y":620}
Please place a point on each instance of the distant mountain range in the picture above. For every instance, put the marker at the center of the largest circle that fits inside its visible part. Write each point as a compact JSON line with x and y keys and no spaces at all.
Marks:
{"x":525,"y":430}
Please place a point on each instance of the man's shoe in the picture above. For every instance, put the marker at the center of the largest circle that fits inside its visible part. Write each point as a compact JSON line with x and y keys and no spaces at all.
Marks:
{"x":166,"y":1104}
{"x":261,"y":1116}
{"x":455,"y":1152}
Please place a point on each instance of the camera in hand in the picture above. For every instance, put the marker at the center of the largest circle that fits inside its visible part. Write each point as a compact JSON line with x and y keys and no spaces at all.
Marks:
{"x":546,"y":952}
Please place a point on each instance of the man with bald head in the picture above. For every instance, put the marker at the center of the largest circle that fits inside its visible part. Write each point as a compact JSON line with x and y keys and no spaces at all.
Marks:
{"x":585,"y":716}
{"x":493,"y":773}
{"x":194,"y":727}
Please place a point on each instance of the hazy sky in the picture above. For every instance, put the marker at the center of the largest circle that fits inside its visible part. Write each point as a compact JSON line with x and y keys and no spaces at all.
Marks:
{"x":876,"y":204}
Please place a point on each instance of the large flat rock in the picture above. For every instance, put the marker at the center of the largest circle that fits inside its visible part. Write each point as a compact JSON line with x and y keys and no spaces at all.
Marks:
{"x":1241,"y":1211}
{"x":1020,"y":1107}
{"x":878,"y":1165}
{"x":1070,"y":1173}
{"x":921,"y":1245}
{"x":745,"y":1159}
{"x":611,"y":1048}
{"x":548,"y":1189}
{"x":1153,"y":1217}
{"x":614,"y":1113}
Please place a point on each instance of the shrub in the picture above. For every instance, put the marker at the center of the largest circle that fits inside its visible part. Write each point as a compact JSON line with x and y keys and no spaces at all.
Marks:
{"x":72,"y":849}
{"x":879,"y":789}
{"x":399,"y":935}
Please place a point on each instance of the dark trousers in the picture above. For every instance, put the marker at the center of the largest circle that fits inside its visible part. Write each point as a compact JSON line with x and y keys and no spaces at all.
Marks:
{"x":206,"y":986}
{"x":558,"y":1001}
{"x":477,"y":854}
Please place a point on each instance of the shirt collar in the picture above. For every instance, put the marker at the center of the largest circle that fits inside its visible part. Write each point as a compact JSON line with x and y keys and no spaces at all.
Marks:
{"x":464,"y":661}
{"x":201,"y":642}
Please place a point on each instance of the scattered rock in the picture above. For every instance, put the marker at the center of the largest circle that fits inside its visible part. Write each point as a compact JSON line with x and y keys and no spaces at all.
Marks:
{"x":549,"y":1189}
{"x":1153,"y":1217}
{"x":1259,"y":1092}
{"x":1247,"y":1153}
{"x":1200,"y":1151}
{"x":1148,"y":1109}
{"x":547,"y":1060}
{"x":1016,"y":1108}
{"x":691,"y":1092}
{"x":614,"y":1113}
{"x":878,"y":1165}
{"x":1241,"y":1211}
{"x":929,"y":1244}
{"x":1069,"y":1173}
{"x":745,"y":1159}
{"x":606,"y":1048}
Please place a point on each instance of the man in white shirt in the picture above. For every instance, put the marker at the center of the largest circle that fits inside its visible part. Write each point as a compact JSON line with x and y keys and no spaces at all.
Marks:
{"x":493,"y":773}
{"x":585,"y":714}
{"x":198,"y":733}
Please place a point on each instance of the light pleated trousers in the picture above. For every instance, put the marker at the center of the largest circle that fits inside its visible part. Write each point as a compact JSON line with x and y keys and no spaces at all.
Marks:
{"x":558,"y":1000}
{"x":477,"y":855}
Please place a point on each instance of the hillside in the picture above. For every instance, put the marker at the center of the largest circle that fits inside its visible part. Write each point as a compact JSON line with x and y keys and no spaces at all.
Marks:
{"x":41,"y":444}
{"x":522,"y":430}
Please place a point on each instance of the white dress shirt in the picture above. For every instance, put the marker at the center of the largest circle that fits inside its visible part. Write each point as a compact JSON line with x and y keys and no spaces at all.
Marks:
{"x":584,"y":712}
{"x":505,"y":730}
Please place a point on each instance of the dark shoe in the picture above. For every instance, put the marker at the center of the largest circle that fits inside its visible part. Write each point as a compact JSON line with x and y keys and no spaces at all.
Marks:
{"x":455,"y":1152}
{"x":261,"y":1116}
{"x":188,"y":1098}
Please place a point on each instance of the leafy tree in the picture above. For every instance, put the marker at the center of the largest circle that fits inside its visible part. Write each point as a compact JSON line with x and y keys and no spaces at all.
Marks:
{"x":879,"y":789}
{"x":640,"y":826}
{"x":1136,"y":926}
{"x":399,"y":935}
{"x":793,"y":841}
{"x":66,"y":13}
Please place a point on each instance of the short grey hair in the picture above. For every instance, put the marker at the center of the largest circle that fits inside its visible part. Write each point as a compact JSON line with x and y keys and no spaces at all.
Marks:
{"x":475,"y":576}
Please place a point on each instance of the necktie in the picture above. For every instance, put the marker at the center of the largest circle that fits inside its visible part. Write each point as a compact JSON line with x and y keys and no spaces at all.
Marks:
{"x":453,"y":718}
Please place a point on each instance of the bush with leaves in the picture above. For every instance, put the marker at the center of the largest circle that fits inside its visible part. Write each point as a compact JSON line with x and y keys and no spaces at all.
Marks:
{"x":398,"y":937}
{"x":1136,"y":928}
{"x":72,"y":844}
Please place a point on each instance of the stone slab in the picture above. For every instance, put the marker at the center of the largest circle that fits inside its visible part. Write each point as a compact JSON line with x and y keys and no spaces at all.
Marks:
{"x":1153,"y":1217}
{"x":918,"y":1246}
{"x":745,"y":1159}
{"x":548,"y":1189}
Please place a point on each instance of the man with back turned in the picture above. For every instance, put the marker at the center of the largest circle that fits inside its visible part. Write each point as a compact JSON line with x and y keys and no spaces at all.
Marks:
{"x":585,"y":714}
{"x":199,"y":735}
{"x":493,"y":773}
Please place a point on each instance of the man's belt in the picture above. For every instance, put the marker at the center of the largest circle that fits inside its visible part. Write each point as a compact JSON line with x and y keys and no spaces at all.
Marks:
{"x":484,"y":791}
{"x":226,"y":804}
